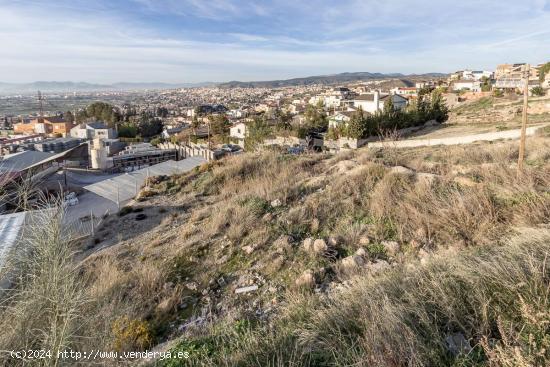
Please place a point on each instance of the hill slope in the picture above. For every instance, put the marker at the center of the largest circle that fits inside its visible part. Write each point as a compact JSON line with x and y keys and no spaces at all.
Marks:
{"x":390,"y":257}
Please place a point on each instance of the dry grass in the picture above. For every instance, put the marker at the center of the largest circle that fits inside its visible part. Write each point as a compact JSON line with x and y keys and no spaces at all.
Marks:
{"x":272,"y":202}
{"x":496,"y":298}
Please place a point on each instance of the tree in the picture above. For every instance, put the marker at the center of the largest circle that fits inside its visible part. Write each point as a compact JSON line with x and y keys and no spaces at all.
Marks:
{"x":100,"y":111}
{"x":258,"y":131}
{"x":485,"y":84}
{"x":149,"y":126}
{"x":219,"y":125}
{"x":537,"y":91}
{"x":544,"y":69}
{"x":438,"y":108}
{"x":316,"y":118}
{"x":356,"y":128}
{"x":127,"y":130}
{"x":283,"y":120}
{"x":69,"y":117}
{"x":389,"y":107}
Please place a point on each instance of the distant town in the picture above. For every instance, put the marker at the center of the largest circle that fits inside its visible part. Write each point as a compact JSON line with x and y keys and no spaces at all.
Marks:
{"x":103,"y":134}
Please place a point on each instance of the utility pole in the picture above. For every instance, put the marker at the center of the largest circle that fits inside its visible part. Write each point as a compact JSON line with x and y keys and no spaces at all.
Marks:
{"x":524,"y":119}
{"x":41,"y":104}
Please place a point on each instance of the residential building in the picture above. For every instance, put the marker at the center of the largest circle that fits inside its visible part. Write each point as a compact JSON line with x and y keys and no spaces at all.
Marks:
{"x":44,"y":125}
{"x":167,"y":133}
{"x":340,"y":119}
{"x":92,"y":130}
{"x":238,"y":132}
{"x":374,"y":102}
{"x":404,"y":91}
{"x":471,"y":85}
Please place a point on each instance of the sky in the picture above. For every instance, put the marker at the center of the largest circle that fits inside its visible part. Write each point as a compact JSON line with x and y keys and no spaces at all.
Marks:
{"x":176,"y":41}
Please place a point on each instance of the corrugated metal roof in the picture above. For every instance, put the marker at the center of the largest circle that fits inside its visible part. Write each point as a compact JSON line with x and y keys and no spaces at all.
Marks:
{"x":10,"y":229}
{"x":22,"y":160}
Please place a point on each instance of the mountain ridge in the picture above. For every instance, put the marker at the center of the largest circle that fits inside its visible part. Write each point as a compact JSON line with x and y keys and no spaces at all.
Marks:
{"x":70,"y":86}
{"x":326,"y":79}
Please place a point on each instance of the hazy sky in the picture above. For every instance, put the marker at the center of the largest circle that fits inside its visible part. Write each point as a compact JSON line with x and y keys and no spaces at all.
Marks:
{"x":106,"y":41}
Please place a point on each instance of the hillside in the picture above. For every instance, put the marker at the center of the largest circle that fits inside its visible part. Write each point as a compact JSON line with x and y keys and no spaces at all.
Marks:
{"x":425,"y":256}
{"x":329,"y":79}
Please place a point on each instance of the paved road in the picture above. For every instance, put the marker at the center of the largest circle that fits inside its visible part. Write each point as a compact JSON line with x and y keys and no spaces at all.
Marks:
{"x":455,"y":140}
{"x":124,"y":187}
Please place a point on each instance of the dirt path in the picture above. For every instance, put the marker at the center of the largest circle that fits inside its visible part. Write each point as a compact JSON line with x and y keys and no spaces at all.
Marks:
{"x":456,"y":140}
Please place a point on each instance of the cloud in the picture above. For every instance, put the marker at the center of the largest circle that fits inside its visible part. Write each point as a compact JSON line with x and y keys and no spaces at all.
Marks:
{"x":194,"y":40}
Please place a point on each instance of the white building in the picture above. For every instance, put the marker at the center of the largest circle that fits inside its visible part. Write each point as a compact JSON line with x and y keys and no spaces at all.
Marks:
{"x":404,"y":91}
{"x":340,"y":119}
{"x":472,"y":85}
{"x":92,"y":130}
{"x":238,"y":132}
{"x":374,"y":102}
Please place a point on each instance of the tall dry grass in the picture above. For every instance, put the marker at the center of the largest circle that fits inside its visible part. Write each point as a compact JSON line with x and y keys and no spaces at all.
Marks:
{"x":44,"y":307}
{"x":495,"y":298}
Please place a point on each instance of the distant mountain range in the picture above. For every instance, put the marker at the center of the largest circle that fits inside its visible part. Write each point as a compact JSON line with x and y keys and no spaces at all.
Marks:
{"x":54,"y":86}
{"x":329,"y":79}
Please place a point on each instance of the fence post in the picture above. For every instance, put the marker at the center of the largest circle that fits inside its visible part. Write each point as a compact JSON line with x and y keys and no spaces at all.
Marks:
{"x":92,"y":221}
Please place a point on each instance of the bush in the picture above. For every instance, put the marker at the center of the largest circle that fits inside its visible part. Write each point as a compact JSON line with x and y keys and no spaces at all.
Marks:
{"x":125,"y":210}
{"x":127,"y":131}
{"x":131,"y":335}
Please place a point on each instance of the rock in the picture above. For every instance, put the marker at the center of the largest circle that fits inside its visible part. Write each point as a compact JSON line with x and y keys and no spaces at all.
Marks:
{"x":267,"y":217}
{"x":457,"y":344}
{"x":426,"y":178}
{"x":308,"y":244}
{"x":378,"y":266}
{"x":391,"y":247}
{"x":431,"y":123}
{"x":465,"y":181}
{"x":345,"y":166}
{"x":165,"y":305}
{"x":307,"y":279}
{"x":333,"y":241}
{"x":319,"y":246}
{"x":361,"y":252}
{"x":283,"y":244}
{"x":191,"y":286}
{"x":248,"y":289}
{"x":401,"y":170}
{"x":364,"y":240}
{"x":250,"y":248}
{"x":352,"y":262}
{"x":276,"y":203}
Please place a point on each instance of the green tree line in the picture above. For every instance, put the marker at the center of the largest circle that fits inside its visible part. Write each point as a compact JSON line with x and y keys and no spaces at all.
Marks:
{"x":362,"y":125}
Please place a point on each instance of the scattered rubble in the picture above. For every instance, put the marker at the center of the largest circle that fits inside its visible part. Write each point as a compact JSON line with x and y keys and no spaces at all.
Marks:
{"x":248,"y":289}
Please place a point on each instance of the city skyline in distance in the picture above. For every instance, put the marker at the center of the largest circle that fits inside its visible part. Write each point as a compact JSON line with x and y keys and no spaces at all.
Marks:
{"x":190,"y":41}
